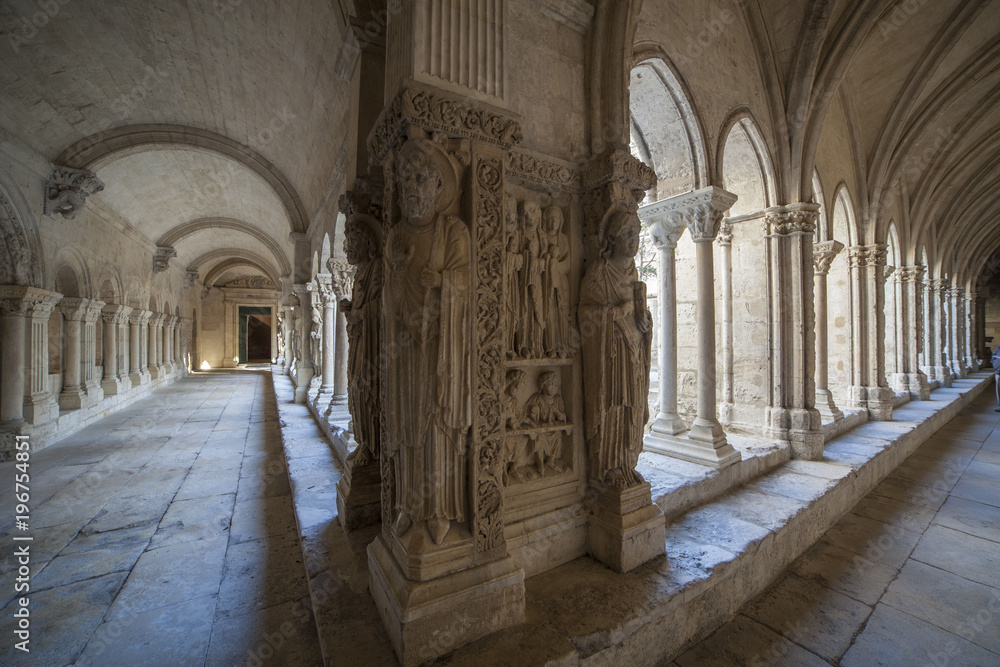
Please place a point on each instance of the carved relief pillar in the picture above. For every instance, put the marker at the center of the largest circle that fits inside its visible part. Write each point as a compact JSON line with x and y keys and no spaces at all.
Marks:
{"x":442,"y":541}
{"x":329,"y":313}
{"x":342,"y":275}
{"x":823,"y":256}
{"x":73,"y":311}
{"x":39,"y":403}
{"x":666,"y":229}
{"x":91,"y":382}
{"x":625,"y":528}
{"x":911,"y":332}
{"x":359,"y":489}
{"x":303,"y":343}
{"x":869,"y":387}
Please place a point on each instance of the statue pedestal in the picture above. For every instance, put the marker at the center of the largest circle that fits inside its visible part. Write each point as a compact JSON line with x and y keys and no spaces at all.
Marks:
{"x":626,"y":529}
{"x":359,"y":495}
{"x":426,"y":619}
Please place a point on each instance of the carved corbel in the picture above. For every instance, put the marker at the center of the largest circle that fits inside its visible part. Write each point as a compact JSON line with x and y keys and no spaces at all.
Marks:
{"x":66,"y":191}
{"x":161,"y":258}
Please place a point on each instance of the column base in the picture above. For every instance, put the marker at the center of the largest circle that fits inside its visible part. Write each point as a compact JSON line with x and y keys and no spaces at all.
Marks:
{"x":877,"y":400}
{"x":801,"y":428}
{"x":95,"y":394}
{"x":156,"y":372}
{"x":914,"y":383}
{"x":625,"y":528}
{"x":827,"y":408}
{"x":667,"y":424}
{"x":321,"y":397}
{"x":359,"y":493}
{"x":72,"y":398}
{"x":39,"y":408}
{"x":112,"y":387}
{"x":426,"y":619}
{"x":940,"y":373}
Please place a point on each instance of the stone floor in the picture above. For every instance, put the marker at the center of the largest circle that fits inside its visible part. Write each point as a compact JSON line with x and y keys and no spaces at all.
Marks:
{"x":910,"y":577}
{"x":164,"y":535}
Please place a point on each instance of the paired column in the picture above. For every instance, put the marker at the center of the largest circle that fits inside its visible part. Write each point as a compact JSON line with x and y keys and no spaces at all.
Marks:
{"x":666,"y":229}
{"x":329,"y":319}
{"x":178,"y":352}
{"x":40,"y":405}
{"x":792,"y":415}
{"x":972,"y":362}
{"x":112,"y":316}
{"x":138,"y":322}
{"x":869,"y":388}
{"x":936,"y":355}
{"x":73,"y":310}
{"x":13,"y":309}
{"x":152,"y":343}
{"x":701,"y":212}
{"x":24,"y":355}
{"x":955,"y":329}
{"x":91,"y":382}
{"x":303,"y":326}
{"x":169,"y":322}
{"x":286,"y":335}
{"x":823,"y":256}
{"x":342,"y":275}
{"x":909,"y":287}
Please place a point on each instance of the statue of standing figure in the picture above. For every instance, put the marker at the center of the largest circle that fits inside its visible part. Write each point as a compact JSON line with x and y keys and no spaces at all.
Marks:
{"x":363,"y":311}
{"x":513,"y":261}
{"x":616,"y":329}
{"x":426,"y":298}
{"x":532,"y":288}
{"x":556,"y":283}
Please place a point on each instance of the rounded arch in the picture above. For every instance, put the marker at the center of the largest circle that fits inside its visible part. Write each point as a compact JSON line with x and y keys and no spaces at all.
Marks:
{"x":189,"y":228}
{"x":744,"y":164}
{"x":230,"y":257}
{"x":110,"y":286}
{"x":93,"y":151}
{"x":664,"y":124}
{"x":20,"y":259}
{"x":69,"y":271}
{"x":135,"y":294}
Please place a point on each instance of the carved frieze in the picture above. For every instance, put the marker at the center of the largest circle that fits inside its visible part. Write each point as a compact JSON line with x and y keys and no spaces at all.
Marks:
{"x":341,"y":277}
{"x":66,"y":191}
{"x":251,"y":282}
{"x":542,"y":171}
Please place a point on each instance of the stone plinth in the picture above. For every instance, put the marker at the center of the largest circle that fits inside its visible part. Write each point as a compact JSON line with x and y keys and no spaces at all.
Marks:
{"x":626,"y":529}
{"x":359,"y":495}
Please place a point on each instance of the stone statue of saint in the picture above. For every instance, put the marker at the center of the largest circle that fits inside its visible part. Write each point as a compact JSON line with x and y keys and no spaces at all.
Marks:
{"x":616,"y":331}
{"x":532,"y":294}
{"x":364,"y":312}
{"x":426,"y":303}
{"x":513,"y":261}
{"x":316,"y":330}
{"x":556,"y":283}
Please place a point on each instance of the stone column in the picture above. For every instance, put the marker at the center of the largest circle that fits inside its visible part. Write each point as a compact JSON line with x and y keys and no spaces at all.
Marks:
{"x":869,"y":388}
{"x":73,"y":395}
{"x":138,"y":373}
{"x":911,"y":304}
{"x":304,"y":370}
{"x":286,"y":333}
{"x":329,"y":318}
{"x":937,"y":356}
{"x":13,"y":308}
{"x":701,"y":212}
{"x":40,"y":406}
{"x":152,"y":338}
{"x":343,"y":277}
{"x":791,"y":414}
{"x":725,"y":242}
{"x":112,"y":316}
{"x":823,"y":256}
{"x":666,"y":229}
{"x":92,"y":383}
{"x":168,"y":343}
{"x":972,"y":332}
{"x":957,"y":332}
{"x":179,"y":361}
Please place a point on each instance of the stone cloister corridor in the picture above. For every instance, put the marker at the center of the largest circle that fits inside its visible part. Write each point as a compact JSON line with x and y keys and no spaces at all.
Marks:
{"x":554,"y":332}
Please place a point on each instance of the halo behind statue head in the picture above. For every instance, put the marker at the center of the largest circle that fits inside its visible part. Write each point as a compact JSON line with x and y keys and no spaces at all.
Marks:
{"x":369,"y":226}
{"x":439,"y":157}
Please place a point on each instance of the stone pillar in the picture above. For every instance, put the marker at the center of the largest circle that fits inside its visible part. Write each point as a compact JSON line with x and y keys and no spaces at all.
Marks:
{"x":823,"y":256}
{"x":286,"y":333}
{"x":304,"y":369}
{"x":329,"y":317}
{"x":152,"y":346}
{"x":792,"y":415}
{"x":40,"y":405}
{"x":666,"y":230}
{"x":179,"y":361}
{"x":13,"y":309}
{"x":92,"y":383}
{"x":956,"y":332}
{"x":73,"y":395}
{"x":936,"y":354}
{"x":725,"y":242}
{"x":137,"y":363}
{"x":869,"y":388}
{"x":112,"y":316}
{"x":911,"y":305}
{"x":701,"y":212}
{"x":971,"y":332}
{"x":168,"y":343}
{"x":343,"y":276}
{"x":442,"y":553}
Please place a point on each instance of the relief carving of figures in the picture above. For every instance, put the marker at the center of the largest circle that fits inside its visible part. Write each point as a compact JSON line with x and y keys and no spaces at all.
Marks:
{"x":296,"y":324}
{"x":281,"y":333}
{"x":363,"y":311}
{"x":532,"y":311}
{"x":533,"y":446}
{"x":545,"y":408}
{"x":616,"y":328}
{"x":426,"y":302}
{"x":513,"y":261}
{"x":511,"y":454}
{"x":556,"y":283}
{"x":316,"y":329}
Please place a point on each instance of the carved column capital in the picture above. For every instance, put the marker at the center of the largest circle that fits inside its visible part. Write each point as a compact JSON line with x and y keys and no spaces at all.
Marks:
{"x":620,"y":167}
{"x":888,"y":271}
{"x":794,"y":219}
{"x":700,"y":211}
{"x":190,"y":278}
{"x":115,"y":314}
{"x":139,"y":317}
{"x":161,"y":258}
{"x":66,"y":191}
{"x":867,"y":255}
{"x":725,"y":237}
{"x":913,"y":273}
{"x":93,"y":311}
{"x":824,"y":253}
{"x":73,"y":308}
{"x":342,"y":277}
{"x":30,"y":301}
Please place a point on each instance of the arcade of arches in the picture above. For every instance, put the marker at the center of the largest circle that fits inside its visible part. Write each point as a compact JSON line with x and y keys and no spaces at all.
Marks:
{"x":547,"y":275}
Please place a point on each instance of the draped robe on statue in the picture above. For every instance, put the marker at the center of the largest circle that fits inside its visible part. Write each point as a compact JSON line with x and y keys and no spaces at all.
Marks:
{"x":362,"y":358}
{"x":428,"y":341}
{"x":617,"y":376}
